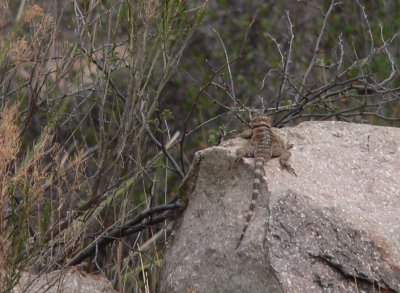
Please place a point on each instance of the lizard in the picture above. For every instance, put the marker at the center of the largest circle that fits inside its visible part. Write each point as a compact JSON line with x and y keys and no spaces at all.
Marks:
{"x":265,"y":144}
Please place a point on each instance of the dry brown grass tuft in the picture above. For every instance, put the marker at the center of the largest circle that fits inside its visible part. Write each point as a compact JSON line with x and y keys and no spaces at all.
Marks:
{"x":41,"y":27}
{"x":9,"y":137}
{"x":34,"y":11}
{"x":19,"y":50}
{"x":9,"y":147}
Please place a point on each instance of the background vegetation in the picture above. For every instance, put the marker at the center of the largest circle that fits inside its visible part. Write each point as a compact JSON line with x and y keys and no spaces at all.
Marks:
{"x":103,"y":104}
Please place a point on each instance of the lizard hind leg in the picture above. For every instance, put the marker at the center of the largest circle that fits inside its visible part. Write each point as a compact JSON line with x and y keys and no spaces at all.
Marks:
{"x":244,"y":152}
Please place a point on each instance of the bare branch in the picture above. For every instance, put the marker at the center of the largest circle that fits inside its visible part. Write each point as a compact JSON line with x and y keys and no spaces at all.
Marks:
{"x":316,"y":49}
{"x":129,"y":227}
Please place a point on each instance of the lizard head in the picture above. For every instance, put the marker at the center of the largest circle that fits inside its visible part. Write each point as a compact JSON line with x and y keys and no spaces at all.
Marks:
{"x":261,"y":121}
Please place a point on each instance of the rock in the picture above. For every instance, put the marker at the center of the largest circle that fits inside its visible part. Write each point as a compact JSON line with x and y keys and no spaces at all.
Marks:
{"x":333,"y":228}
{"x":71,"y":281}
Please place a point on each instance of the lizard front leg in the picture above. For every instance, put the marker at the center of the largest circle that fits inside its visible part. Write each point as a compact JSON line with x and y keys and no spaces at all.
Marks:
{"x":281,"y":150}
{"x":247,"y":134}
{"x":284,"y":162}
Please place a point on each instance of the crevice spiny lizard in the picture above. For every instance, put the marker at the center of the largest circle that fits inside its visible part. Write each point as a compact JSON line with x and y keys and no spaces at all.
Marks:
{"x":265,"y":144}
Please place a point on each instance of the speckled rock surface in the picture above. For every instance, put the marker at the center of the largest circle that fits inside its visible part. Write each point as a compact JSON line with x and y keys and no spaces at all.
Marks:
{"x":70,"y":281}
{"x":333,"y":228}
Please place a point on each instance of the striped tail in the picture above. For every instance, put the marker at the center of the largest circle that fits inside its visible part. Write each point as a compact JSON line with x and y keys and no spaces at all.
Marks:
{"x":258,"y":173}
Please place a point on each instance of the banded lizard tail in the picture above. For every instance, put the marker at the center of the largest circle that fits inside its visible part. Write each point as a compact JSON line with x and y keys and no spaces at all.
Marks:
{"x":265,"y":144}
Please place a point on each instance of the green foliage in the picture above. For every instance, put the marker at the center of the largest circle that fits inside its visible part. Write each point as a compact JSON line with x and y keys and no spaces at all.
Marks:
{"x":166,"y":114}
{"x":215,"y":136}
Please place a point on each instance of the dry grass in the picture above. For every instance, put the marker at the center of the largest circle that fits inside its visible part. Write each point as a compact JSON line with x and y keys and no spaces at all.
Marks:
{"x":37,"y":189}
{"x":34,"y":11}
{"x":75,"y":156}
{"x":9,"y":147}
